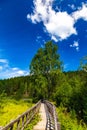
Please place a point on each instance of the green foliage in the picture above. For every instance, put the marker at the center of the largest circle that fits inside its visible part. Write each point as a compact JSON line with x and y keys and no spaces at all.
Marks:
{"x":69,"y":121}
{"x":10,"y":109}
{"x":35,"y":120}
{"x":46,"y":59}
{"x":71,"y":92}
{"x":39,"y":82}
{"x":63,"y":94}
{"x":44,"y":62}
{"x":20,"y":91}
{"x":49,"y":82}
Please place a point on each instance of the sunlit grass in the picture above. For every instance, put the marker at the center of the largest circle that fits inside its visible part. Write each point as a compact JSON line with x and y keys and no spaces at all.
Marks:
{"x":10,"y":109}
{"x":69,"y":121}
{"x":33,"y":122}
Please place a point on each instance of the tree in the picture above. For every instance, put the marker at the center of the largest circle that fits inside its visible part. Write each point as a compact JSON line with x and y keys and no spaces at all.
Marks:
{"x":45,"y":61}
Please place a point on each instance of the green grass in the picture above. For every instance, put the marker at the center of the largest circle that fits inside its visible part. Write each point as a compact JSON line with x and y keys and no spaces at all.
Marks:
{"x":69,"y":121}
{"x":10,"y":109}
{"x":35,"y":120}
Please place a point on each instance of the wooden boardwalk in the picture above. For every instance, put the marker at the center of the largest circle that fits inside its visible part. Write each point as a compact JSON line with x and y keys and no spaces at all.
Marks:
{"x":42,"y":123}
{"x":49,"y":120}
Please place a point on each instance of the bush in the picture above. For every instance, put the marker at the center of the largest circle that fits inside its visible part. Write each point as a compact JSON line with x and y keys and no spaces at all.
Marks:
{"x":69,"y":121}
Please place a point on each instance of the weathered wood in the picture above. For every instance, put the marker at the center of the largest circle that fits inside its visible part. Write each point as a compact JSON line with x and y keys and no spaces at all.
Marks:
{"x":41,"y":125}
{"x":23,"y":119}
{"x":59,"y":125}
{"x":52,"y":119}
{"x":18,"y":124}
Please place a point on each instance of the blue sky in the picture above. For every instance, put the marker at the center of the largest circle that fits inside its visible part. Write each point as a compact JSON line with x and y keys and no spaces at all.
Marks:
{"x":26,"y":25}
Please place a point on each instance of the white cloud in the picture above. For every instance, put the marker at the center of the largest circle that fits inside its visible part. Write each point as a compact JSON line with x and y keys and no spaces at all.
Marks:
{"x":21,"y":72}
{"x":40,"y":12}
{"x":14,"y":73}
{"x":75,"y":45}
{"x":14,"y":69}
{"x":4,"y":61}
{"x":6,"y":71}
{"x":59,"y":25}
{"x":77,"y":48}
{"x":81,"y":13}
{"x":9,"y":73}
{"x":54,"y":38}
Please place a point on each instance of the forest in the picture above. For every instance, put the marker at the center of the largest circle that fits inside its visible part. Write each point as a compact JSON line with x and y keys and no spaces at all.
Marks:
{"x":47,"y":80}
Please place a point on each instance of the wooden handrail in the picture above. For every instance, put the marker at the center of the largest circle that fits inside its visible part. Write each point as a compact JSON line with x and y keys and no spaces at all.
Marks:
{"x":52,"y":118}
{"x":23,"y":120}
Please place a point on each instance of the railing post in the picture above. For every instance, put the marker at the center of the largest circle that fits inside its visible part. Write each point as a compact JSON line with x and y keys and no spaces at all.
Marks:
{"x":52,"y":110}
{"x":23,"y":120}
{"x":55,"y":118}
{"x":11,"y":128}
{"x":18,"y":125}
{"x":58,"y":125}
{"x":26,"y":117}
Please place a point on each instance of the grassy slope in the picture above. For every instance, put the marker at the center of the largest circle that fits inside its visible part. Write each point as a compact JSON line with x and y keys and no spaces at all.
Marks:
{"x":10,"y":109}
{"x":69,"y":120}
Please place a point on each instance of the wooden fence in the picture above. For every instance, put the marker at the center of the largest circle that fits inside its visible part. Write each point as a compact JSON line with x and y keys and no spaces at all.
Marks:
{"x":23,"y":120}
{"x":52,"y":118}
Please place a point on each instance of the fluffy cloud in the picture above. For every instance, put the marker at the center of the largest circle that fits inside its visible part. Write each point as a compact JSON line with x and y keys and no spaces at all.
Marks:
{"x":14,"y":73}
{"x":6,"y":71}
{"x":3,"y":64}
{"x":59,"y":25}
{"x":75,"y":45}
{"x":41,"y":11}
{"x":55,"y":22}
{"x":54,"y":38}
{"x":81,"y":13}
{"x":4,"y":61}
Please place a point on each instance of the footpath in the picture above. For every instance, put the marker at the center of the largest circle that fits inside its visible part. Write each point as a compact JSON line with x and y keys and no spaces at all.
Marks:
{"x":41,"y":125}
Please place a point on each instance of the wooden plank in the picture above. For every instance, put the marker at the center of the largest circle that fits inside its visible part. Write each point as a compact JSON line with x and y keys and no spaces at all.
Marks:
{"x":42,"y":123}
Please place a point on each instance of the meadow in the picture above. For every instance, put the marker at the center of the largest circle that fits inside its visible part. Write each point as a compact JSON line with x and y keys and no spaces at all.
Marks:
{"x":10,"y":109}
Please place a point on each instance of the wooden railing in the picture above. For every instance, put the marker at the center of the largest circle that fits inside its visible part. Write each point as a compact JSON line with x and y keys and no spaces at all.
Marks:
{"x":52,"y":118}
{"x":23,"y":120}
